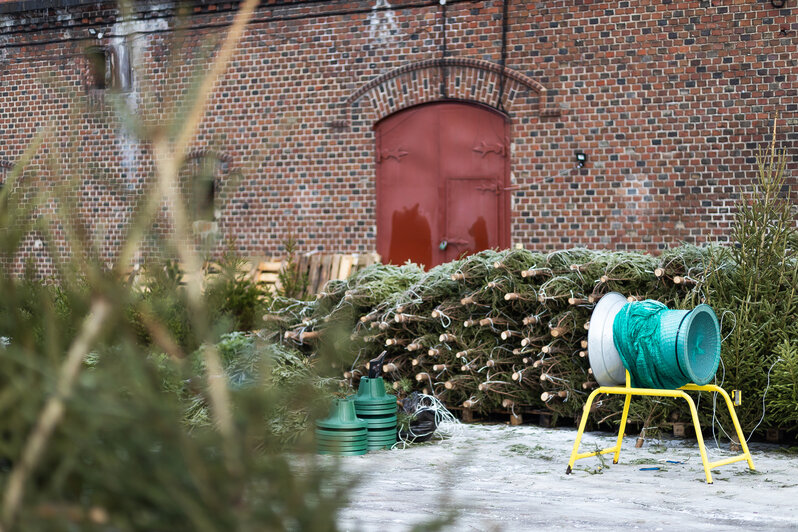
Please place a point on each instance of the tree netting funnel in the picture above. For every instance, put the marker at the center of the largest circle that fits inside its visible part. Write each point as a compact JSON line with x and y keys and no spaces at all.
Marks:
{"x":661,"y":348}
{"x":695,"y":337}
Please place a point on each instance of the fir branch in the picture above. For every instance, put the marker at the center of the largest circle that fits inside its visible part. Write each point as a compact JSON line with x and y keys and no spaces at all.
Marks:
{"x":53,"y":410}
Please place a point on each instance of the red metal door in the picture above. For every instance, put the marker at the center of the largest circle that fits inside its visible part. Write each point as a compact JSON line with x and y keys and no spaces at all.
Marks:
{"x":470,"y":217}
{"x":442,"y":171}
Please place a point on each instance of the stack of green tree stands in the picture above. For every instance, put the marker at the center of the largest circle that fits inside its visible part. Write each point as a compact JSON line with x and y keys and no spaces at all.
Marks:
{"x":342,"y":433}
{"x":378,"y":408}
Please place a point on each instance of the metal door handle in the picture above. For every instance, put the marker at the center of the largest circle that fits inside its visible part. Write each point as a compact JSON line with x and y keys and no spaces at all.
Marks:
{"x":445,"y":243}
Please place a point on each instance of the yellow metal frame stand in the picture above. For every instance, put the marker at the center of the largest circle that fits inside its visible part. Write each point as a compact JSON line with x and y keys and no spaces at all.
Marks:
{"x":628,"y":391}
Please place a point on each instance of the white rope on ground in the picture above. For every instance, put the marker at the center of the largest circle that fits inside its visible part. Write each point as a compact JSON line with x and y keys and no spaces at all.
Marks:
{"x":446,"y":424}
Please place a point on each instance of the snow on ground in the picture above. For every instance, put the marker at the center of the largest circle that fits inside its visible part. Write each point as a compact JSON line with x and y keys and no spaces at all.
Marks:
{"x":497,"y":477}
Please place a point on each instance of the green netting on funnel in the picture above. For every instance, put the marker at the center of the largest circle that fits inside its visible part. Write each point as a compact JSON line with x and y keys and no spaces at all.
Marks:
{"x":664,"y":348}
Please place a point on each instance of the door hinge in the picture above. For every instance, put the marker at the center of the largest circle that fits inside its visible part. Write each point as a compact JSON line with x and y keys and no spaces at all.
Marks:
{"x":496,"y":188}
{"x":484,"y":148}
{"x":397,"y":154}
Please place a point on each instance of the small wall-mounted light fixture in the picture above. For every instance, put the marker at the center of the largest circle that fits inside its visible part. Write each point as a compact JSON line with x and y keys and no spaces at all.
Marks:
{"x":581,"y":159}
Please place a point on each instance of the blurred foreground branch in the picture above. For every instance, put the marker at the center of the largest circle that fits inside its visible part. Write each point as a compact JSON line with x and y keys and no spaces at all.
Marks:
{"x":53,"y":410}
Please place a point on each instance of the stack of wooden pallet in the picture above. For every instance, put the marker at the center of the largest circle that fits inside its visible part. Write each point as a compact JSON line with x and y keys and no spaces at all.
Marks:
{"x":319,"y":268}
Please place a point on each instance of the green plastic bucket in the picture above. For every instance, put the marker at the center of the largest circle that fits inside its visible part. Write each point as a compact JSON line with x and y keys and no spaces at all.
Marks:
{"x":385,"y":410}
{"x":332,"y":438}
{"x":382,"y":442}
{"x":369,"y":416}
{"x":382,"y":424}
{"x":371,"y":392}
{"x":378,"y":409}
{"x":342,"y":417}
{"x":342,"y":432}
{"x":388,"y":436}
{"x":378,"y":446}
{"x":342,"y":445}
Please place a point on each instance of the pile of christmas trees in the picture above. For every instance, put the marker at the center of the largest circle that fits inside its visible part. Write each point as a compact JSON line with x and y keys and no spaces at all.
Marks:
{"x":496,"y":330}
{"x":508,"y":329}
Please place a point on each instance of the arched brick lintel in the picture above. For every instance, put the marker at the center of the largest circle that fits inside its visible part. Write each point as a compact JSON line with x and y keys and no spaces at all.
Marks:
{"x":200,"y":153}
{"x":461,"y":78}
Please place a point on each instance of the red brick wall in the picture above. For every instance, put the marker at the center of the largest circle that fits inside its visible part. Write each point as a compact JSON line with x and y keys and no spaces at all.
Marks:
{"x":669,"y":100}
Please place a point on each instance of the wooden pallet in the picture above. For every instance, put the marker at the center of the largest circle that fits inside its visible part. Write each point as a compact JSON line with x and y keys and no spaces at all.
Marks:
{"x":682,"y":430}
{"x":519,"y":416}
{"x":319,"y":268}
{"x":774,"y":435}
{"x":323,"y":268}
{"x":209,"y":270}
{"x":267,"y":273}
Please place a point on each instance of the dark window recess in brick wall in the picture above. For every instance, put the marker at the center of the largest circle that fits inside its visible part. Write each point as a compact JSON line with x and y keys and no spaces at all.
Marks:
{"x":97,"y":57}
{"x":200,"y":182}
{"x":110,"y":66}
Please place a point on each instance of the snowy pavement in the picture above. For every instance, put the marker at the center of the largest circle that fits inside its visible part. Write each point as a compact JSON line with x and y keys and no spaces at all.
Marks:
{"x":497,"y":477}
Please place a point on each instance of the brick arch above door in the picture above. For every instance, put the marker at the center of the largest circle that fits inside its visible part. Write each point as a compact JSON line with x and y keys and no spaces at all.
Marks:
{"x":455,"y":78}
